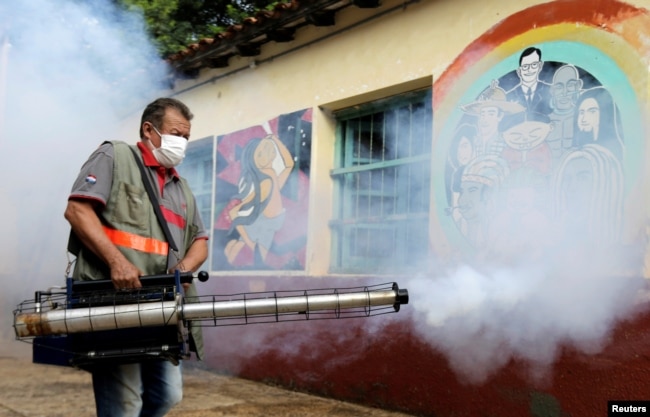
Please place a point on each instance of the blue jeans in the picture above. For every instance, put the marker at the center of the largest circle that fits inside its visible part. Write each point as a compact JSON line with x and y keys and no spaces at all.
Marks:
{"x":147,"y":389}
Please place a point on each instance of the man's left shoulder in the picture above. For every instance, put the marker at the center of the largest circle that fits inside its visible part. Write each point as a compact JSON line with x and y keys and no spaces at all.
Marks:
{"x":185,"y":185}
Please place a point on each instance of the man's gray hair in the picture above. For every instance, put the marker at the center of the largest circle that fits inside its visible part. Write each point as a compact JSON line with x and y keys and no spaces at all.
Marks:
{"x":155,"y":112}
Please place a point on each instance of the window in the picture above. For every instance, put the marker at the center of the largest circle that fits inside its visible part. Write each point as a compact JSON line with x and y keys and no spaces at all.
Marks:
{"x":382,"y":178}
{"x":197,"y":169}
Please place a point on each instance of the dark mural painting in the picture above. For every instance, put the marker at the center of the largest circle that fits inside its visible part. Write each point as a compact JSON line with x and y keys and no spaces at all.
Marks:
{"x":253,"y":191}
{"x":539,"y":152}
{"x":261,"y":195}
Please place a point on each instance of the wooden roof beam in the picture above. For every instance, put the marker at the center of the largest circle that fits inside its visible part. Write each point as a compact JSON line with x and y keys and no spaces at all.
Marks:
{"x":248,"y":49}
{"x":366,"y":4}
{"x":281,"y":34}
{"x":218,"y":62}
{"x":322,"y":18}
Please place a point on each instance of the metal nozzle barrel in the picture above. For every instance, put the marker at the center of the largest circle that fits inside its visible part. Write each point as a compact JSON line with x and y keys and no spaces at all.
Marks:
{"x":329,"y":303}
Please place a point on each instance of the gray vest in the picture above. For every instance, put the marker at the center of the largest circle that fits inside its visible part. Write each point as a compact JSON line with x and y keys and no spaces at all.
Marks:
{"x":129,"y":210}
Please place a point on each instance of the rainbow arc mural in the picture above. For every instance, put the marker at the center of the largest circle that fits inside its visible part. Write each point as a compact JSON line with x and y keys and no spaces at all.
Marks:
{"x":540,"y":134}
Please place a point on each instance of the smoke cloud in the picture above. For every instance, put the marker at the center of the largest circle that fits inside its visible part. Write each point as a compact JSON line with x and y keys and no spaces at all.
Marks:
{"x":70,"y":72}
{"x":482,"y":318}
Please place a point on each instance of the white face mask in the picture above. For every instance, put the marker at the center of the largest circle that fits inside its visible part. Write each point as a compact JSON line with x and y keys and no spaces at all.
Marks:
{"x":171,"y":151}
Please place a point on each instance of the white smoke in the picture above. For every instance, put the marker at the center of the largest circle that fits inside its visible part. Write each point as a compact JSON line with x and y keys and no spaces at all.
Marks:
{"x":70,"y":71}
{"x":483,"y":320}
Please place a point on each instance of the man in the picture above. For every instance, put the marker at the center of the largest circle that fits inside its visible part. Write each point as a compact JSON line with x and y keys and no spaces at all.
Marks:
{"x":525,"y":134}
{"x":489,"y":109}
{"x":479,"y":189}
{"x":119,"y":238}
{"x":531,"y":92}
{"x":565,"y":91}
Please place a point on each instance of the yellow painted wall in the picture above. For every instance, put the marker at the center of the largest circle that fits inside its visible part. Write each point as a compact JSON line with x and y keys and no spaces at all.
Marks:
{"x":368,"y":54}
{"x":412,"y":44}
{"x":401,"y":50}
{"x":420,"y":45}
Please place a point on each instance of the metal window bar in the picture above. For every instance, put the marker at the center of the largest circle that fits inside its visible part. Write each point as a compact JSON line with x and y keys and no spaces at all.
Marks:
{"x":380,"y":147}
{"x":382,"y":179}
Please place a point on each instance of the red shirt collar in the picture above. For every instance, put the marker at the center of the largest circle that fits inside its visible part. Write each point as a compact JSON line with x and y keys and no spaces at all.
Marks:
{"x":150,"y":161}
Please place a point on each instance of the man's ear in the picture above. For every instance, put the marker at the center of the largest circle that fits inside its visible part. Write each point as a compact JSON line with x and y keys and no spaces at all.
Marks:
{"x":147,"y":130}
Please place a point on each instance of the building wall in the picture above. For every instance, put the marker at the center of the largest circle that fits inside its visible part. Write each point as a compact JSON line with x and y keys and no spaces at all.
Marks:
{"x":540,"y":349}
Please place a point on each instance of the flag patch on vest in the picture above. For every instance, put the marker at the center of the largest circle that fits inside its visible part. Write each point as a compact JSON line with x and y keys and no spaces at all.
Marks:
{"x":91,"y":179}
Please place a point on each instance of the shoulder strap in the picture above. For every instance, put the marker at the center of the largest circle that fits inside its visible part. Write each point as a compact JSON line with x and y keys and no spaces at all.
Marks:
{"x":154,"y":201}
{"x":189,"y":200}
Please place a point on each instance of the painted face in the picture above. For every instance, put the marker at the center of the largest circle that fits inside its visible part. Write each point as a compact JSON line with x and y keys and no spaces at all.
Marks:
{"x":589,"y":116}
{"x":530,"y":67}
{"x":265,"y":154}
{"x":527,"y":135}
{"x":471,"y":203}
{"x":565,"y":90}
{"x":488,"y":121}
{"x":464,"y":153}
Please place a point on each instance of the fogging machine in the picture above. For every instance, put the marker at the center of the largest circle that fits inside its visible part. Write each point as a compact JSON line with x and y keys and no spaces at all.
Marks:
{"x":90,"y":323}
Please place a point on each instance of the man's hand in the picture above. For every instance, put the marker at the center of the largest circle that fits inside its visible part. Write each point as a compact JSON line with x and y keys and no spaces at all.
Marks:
{"x":194,"y":258}
{"x":181,"y":269}
{"x":125,"y":275}
{"x":84,"y":221}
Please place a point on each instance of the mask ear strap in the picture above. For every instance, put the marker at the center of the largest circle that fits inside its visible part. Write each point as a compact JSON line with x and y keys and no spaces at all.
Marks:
{"x":155,"y":130}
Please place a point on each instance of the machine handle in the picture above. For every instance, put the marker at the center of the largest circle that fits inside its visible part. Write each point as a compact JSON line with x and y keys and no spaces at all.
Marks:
{"x":158,"y":280}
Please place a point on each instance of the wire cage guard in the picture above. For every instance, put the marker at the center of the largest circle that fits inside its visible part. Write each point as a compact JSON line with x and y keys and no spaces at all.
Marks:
{"x":52,"y":314}
{"x":91,"y":323}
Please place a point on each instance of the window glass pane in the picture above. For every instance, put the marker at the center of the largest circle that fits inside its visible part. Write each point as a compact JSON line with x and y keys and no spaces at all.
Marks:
{"x":383,"y":185}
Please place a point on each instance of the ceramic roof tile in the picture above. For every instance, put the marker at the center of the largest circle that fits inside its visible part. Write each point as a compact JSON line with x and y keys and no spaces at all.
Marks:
{"x":252,"y":33}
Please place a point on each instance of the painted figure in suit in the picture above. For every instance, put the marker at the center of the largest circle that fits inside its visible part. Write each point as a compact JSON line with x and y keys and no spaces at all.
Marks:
{"x":531,"y":92}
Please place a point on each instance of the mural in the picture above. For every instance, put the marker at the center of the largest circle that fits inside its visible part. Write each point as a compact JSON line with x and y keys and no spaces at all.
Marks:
{"x":261,"y":197}
{"x":198,"y":170}
{"x":536,"y":158}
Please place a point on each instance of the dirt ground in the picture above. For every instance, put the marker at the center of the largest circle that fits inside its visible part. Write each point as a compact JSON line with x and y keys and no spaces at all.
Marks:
{"x":32,"y":390}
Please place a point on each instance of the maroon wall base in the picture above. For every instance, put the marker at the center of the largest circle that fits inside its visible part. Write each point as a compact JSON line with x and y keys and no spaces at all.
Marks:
{"x":378,"y":361}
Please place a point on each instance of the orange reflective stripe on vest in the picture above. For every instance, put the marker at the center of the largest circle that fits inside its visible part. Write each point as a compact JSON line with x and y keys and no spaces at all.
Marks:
{"x":137,"y":242}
